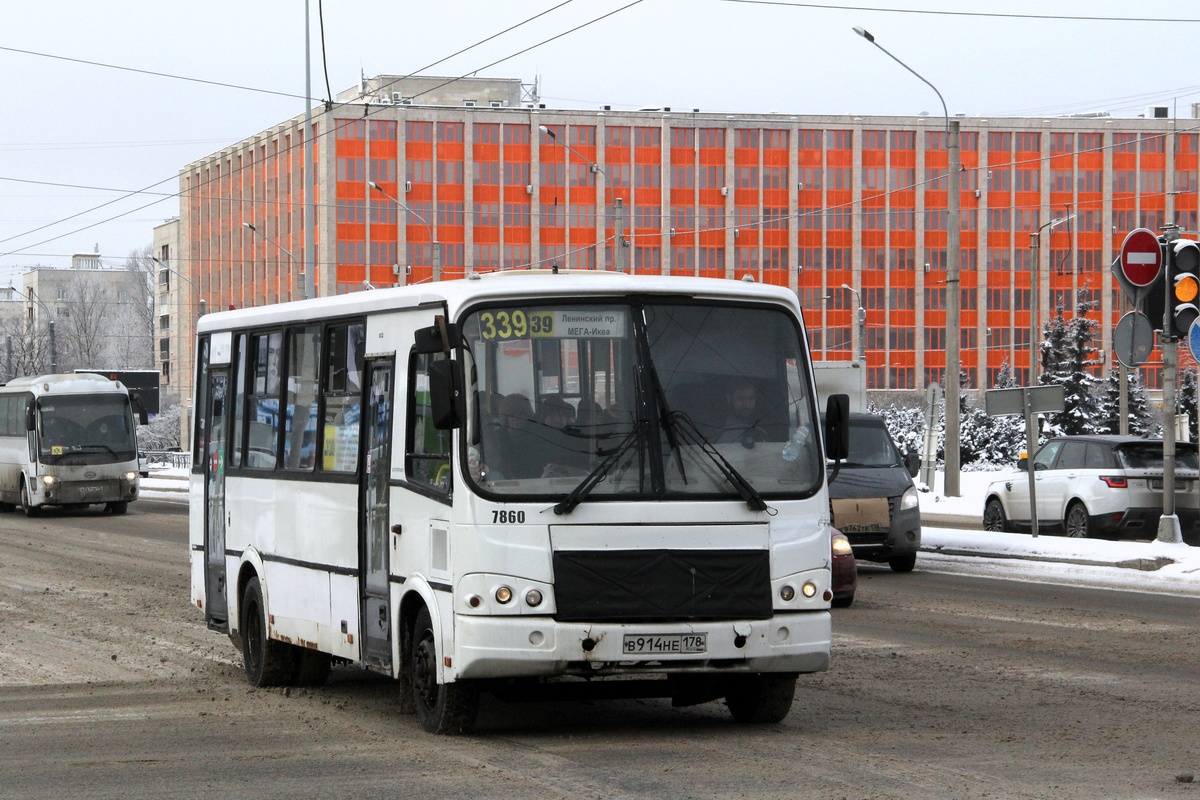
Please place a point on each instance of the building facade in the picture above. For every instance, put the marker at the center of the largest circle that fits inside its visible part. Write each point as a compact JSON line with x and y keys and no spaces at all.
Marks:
{"x":848,"y":211}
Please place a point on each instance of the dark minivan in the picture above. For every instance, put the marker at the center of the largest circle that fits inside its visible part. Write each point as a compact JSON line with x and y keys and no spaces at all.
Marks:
{"x":873,"y":496}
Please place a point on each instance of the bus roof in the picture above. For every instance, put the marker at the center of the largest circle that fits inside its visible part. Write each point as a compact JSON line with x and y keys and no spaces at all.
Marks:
{"x":83,"y":383}
{"x":457,"y":293}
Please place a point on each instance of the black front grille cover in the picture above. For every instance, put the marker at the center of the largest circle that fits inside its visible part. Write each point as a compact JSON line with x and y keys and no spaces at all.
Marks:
{"x":662,"y":585}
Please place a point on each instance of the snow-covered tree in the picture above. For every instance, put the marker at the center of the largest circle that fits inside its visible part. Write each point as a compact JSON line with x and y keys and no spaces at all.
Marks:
{"x":1067,"y":355}
{"x":1186,"y":399}
{"x":1141,"y":422}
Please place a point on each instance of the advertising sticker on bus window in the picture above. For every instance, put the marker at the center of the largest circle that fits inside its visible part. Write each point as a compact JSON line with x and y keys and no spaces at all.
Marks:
{"x":505,"y":324}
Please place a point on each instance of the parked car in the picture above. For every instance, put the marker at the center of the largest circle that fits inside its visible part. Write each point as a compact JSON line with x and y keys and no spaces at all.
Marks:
{"x":143,"y":464}
{"x":1107,"y":486}
{"x":845,"y":570}
{"x":873,"y":496}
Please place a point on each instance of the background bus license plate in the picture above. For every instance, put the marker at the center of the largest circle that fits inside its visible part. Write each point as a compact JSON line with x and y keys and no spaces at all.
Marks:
{"x":665,"y":643}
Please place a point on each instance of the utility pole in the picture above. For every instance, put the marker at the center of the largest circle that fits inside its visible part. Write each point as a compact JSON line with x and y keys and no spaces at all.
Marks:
{"x":1168,"y":523}
{"x":953,"y":318}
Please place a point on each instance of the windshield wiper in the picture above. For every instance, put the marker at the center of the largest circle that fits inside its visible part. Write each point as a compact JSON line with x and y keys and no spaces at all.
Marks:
{"x":693,"y":436}
{"x":593,"y":478}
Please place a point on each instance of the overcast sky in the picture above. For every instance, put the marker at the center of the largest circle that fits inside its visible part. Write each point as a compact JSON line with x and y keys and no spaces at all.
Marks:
{"x":73,"y":133}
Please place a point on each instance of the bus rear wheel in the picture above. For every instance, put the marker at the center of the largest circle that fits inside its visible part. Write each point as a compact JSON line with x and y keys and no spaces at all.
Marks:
{"x":763,"y":698}
{"x":268,"y":662}
{"x":442,"y":708}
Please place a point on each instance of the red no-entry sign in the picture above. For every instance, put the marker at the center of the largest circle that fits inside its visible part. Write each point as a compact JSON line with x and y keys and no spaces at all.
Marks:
{"x":1141,"y":257}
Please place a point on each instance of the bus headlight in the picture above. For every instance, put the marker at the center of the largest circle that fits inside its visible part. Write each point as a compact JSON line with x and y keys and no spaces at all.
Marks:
{"x":809,"y":589}
{"x":504,"y":595}
{"x":131,"y":476}
{"x":49,"y":480}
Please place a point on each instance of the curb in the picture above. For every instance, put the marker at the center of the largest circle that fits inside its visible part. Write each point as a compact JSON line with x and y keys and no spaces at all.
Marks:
{"x":1142,"y":564}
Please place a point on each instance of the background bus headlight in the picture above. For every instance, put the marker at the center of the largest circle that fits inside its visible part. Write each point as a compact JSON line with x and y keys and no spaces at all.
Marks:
{"x":49,"y":480}
{"x":131,"y":476}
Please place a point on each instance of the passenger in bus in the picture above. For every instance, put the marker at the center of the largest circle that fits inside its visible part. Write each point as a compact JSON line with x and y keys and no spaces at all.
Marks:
{"x":556,"y":413}
{"x":565,"y":446}
{"x":510,"y":444}
{"x":480,"y":472}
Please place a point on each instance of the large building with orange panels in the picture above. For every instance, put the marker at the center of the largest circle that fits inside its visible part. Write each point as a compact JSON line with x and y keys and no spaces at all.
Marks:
{"x":814,"y":203}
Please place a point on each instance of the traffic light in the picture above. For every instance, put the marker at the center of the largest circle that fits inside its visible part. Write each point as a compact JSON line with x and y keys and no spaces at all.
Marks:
{"x":1183,"y":285}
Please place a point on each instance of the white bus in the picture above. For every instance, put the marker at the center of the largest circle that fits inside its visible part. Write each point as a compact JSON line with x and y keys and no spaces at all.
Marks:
{"x":67,"y":440}
{"x":546,"y":479}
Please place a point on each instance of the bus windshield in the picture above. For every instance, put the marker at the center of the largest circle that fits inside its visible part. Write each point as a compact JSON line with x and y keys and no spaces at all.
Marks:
{"x":639,"y":399}
{"x":85,"y":429}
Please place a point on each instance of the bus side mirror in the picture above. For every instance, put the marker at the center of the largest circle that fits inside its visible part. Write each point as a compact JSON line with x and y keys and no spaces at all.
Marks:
{"x":135,"y":400}
{"x":440,"y":337}
{"x":445,"y":394}
{"x":30,"y":418}
{"x":837,"y":426}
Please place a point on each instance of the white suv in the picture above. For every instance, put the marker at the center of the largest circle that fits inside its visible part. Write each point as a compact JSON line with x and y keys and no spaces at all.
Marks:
{"x":1097,"y":486}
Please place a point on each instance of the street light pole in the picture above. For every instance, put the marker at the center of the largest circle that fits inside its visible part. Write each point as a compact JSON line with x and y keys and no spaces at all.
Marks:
{"x":32,"y":297}
{"x":437,"y":256}
{"x":861,"y":316}
{"x":618,"y":203}
{"x":291,"y":259}
{"x":953,"y":297}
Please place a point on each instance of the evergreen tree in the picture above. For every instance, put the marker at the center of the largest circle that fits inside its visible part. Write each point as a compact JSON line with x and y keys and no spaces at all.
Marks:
{"x":1141,"y":422}
{"x":1067,"y":356}
{"x":1186,"y":398}
{"x":1006,"y":436}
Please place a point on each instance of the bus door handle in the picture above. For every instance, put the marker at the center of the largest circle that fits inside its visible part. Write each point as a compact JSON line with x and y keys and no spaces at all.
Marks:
{"x":397,"y":529}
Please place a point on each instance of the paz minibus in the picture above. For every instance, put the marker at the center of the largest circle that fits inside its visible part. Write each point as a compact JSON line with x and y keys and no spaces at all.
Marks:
{"x":544,"y":481}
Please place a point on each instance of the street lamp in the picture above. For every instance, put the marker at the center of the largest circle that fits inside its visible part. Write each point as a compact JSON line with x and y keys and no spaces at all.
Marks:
{"x":862,"y":325}
{"x":618,"y":203}
{"x":1034,"y":290}
{"x":291,"y":259}
{"x":437,"y":255}
{"x":953,"y":299}
{"x":32,"y":297}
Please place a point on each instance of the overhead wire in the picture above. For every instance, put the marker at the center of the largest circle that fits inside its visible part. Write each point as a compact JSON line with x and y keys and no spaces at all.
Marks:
{"x":297,"y":145}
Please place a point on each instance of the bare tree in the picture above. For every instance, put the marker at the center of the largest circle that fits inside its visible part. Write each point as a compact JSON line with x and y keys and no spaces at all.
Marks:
{"x":30,"y":354}
{"x":86,"y":316}
{"x":136,"y":301}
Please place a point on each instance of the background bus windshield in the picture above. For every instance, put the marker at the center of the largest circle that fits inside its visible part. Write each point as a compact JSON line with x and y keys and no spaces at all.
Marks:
{"x":99,"y":427}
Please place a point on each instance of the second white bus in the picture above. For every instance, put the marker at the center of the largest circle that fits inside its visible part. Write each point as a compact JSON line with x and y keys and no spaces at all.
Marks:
{"x":67,"y":440}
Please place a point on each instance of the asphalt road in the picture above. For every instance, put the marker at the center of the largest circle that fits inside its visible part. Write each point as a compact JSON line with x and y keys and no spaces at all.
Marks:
{"x":942,"y":686}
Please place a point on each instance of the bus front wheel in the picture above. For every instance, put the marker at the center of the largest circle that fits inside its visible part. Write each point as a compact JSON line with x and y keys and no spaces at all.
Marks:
{"x":26,"y":504}
{"x":762,"y":698}
{"x":443,"y":708}
{"x":268,"y":662}
{"x":118,"y":508}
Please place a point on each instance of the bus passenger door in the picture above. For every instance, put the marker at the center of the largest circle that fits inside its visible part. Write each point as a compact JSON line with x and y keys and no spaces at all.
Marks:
{"x":216,"y":602}
{"x":374,"y":519}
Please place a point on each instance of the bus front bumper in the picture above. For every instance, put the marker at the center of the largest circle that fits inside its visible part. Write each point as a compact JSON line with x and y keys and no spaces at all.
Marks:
{"x":81,"y":492}
{"x":507,"y":647}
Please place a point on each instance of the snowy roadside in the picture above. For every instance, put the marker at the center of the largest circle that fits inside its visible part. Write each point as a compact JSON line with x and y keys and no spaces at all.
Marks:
{"x":1137,"y":566}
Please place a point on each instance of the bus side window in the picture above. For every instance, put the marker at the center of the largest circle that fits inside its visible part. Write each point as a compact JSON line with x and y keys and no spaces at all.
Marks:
{"x":428,"y":449}
{"x":344,"y":348}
